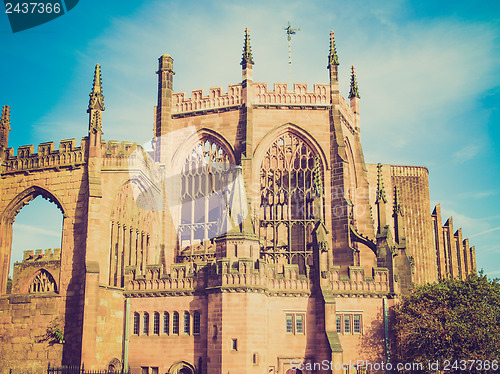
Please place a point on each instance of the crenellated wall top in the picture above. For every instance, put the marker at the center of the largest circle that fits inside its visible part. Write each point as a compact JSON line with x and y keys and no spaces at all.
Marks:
{"x":114,"y":148}
{"x":247,"y":275}
{"x":45,"y":149}
{"x":215,"y":99}
{"x":409,"y":171}
{"x":42,"y":255}
{"x":299,"y":96}
{"x":259,"y":94}
{"x":46,"y":156}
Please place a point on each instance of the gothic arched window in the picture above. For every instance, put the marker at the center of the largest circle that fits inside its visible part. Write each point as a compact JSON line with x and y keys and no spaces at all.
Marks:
{"x":137,"y":318}
{"x":43,"y":282}
{"x":187,"y":323}
{"x":145,"y":324}
{"x":290,"y":172}
{"x":175,"y":323}
{"x":205,"y":176}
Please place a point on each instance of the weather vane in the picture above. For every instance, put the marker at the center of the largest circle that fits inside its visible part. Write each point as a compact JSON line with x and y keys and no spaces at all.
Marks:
{"x":289,"y":33}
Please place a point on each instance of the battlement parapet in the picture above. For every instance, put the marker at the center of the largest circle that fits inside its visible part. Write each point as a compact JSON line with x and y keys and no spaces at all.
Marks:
{"x":409,"y":171}
{"x":300,"y":96}
{"x":253,"y":275}
{"x":181,"y":277}
{"x":215,"y":99}
{"x":42,"y":255}
{"x":224,"y":273}
{"x":357,"y":282}
{"x":114,"y":148}
{"x":260,"y":95}
{"x":47,"y":156}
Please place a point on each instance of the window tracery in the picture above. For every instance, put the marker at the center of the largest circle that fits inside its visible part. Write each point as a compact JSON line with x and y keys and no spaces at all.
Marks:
{"x":290,"y":172}
{"x":206,"y":174}
{"x":43,"y":282}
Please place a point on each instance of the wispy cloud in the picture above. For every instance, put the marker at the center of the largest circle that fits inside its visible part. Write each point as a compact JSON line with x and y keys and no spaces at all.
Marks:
{"x":466,"y":153}
{"x":478,"y":194}
{"x":31,"y":230}
{"x":484,"y":232}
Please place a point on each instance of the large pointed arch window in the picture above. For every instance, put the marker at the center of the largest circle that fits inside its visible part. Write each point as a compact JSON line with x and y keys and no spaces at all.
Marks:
{"x":42,"y":282}
{"x":206,"y":174}
{"x":290,"y":172}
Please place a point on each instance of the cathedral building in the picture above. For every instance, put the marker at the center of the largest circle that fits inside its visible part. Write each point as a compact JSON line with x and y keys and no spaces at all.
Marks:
{"x":251,"y":237}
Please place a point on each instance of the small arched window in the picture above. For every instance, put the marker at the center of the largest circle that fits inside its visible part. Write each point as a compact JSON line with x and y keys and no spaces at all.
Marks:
{"x":196,"y":323}
{"x":156,"y":324}
{"x":187,"y":323}
{"x":145,"y":324}
{"x":166,"y":323}
{"x":175,"y":323}
{"x":136,"y":323}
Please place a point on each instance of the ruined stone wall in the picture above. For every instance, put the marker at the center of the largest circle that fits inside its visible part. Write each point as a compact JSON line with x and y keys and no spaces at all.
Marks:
{"x":25,"y":320}
{"x":33,"y":263}
{"x":414,"y":187}
{"x":59,"y":176}
{"x":456,"y":258}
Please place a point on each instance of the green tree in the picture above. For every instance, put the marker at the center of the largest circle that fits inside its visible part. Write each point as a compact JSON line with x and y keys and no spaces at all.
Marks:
{"x":452,"y":323}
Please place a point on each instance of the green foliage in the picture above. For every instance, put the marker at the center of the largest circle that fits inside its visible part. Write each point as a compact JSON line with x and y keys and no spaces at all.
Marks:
{"x":54,"y":334}
{"x":450,"y":320}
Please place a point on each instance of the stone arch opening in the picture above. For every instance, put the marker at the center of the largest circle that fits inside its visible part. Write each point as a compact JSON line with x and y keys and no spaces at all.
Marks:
{"x":182,"y":367}
{"x":291,"y":172}
{"x":114,"y":365}
{"x":29,"y":223}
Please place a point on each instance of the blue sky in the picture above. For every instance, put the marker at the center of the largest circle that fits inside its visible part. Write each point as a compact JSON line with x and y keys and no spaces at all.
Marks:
{"x":427,"y":73}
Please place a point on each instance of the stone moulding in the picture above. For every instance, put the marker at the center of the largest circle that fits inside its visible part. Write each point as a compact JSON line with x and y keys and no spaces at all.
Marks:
{"x":227,"y":275}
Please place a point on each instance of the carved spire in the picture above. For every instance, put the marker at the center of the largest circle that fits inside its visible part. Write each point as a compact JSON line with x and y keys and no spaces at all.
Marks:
{"x":380,"y":186}
{"x":354,"y":92}
{"x":381,"y":203}
{"x":333,"y":59}
{"x":96,"y":97}
{"x":96,"y":103}
{"x":399,"y":229}
{"x":398,"y":210}
{"x":247,"y":50}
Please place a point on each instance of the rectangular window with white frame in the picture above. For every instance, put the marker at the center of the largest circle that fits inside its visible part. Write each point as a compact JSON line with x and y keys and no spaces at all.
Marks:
{"x":349,"y":323}
{"x":295,"y":323}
